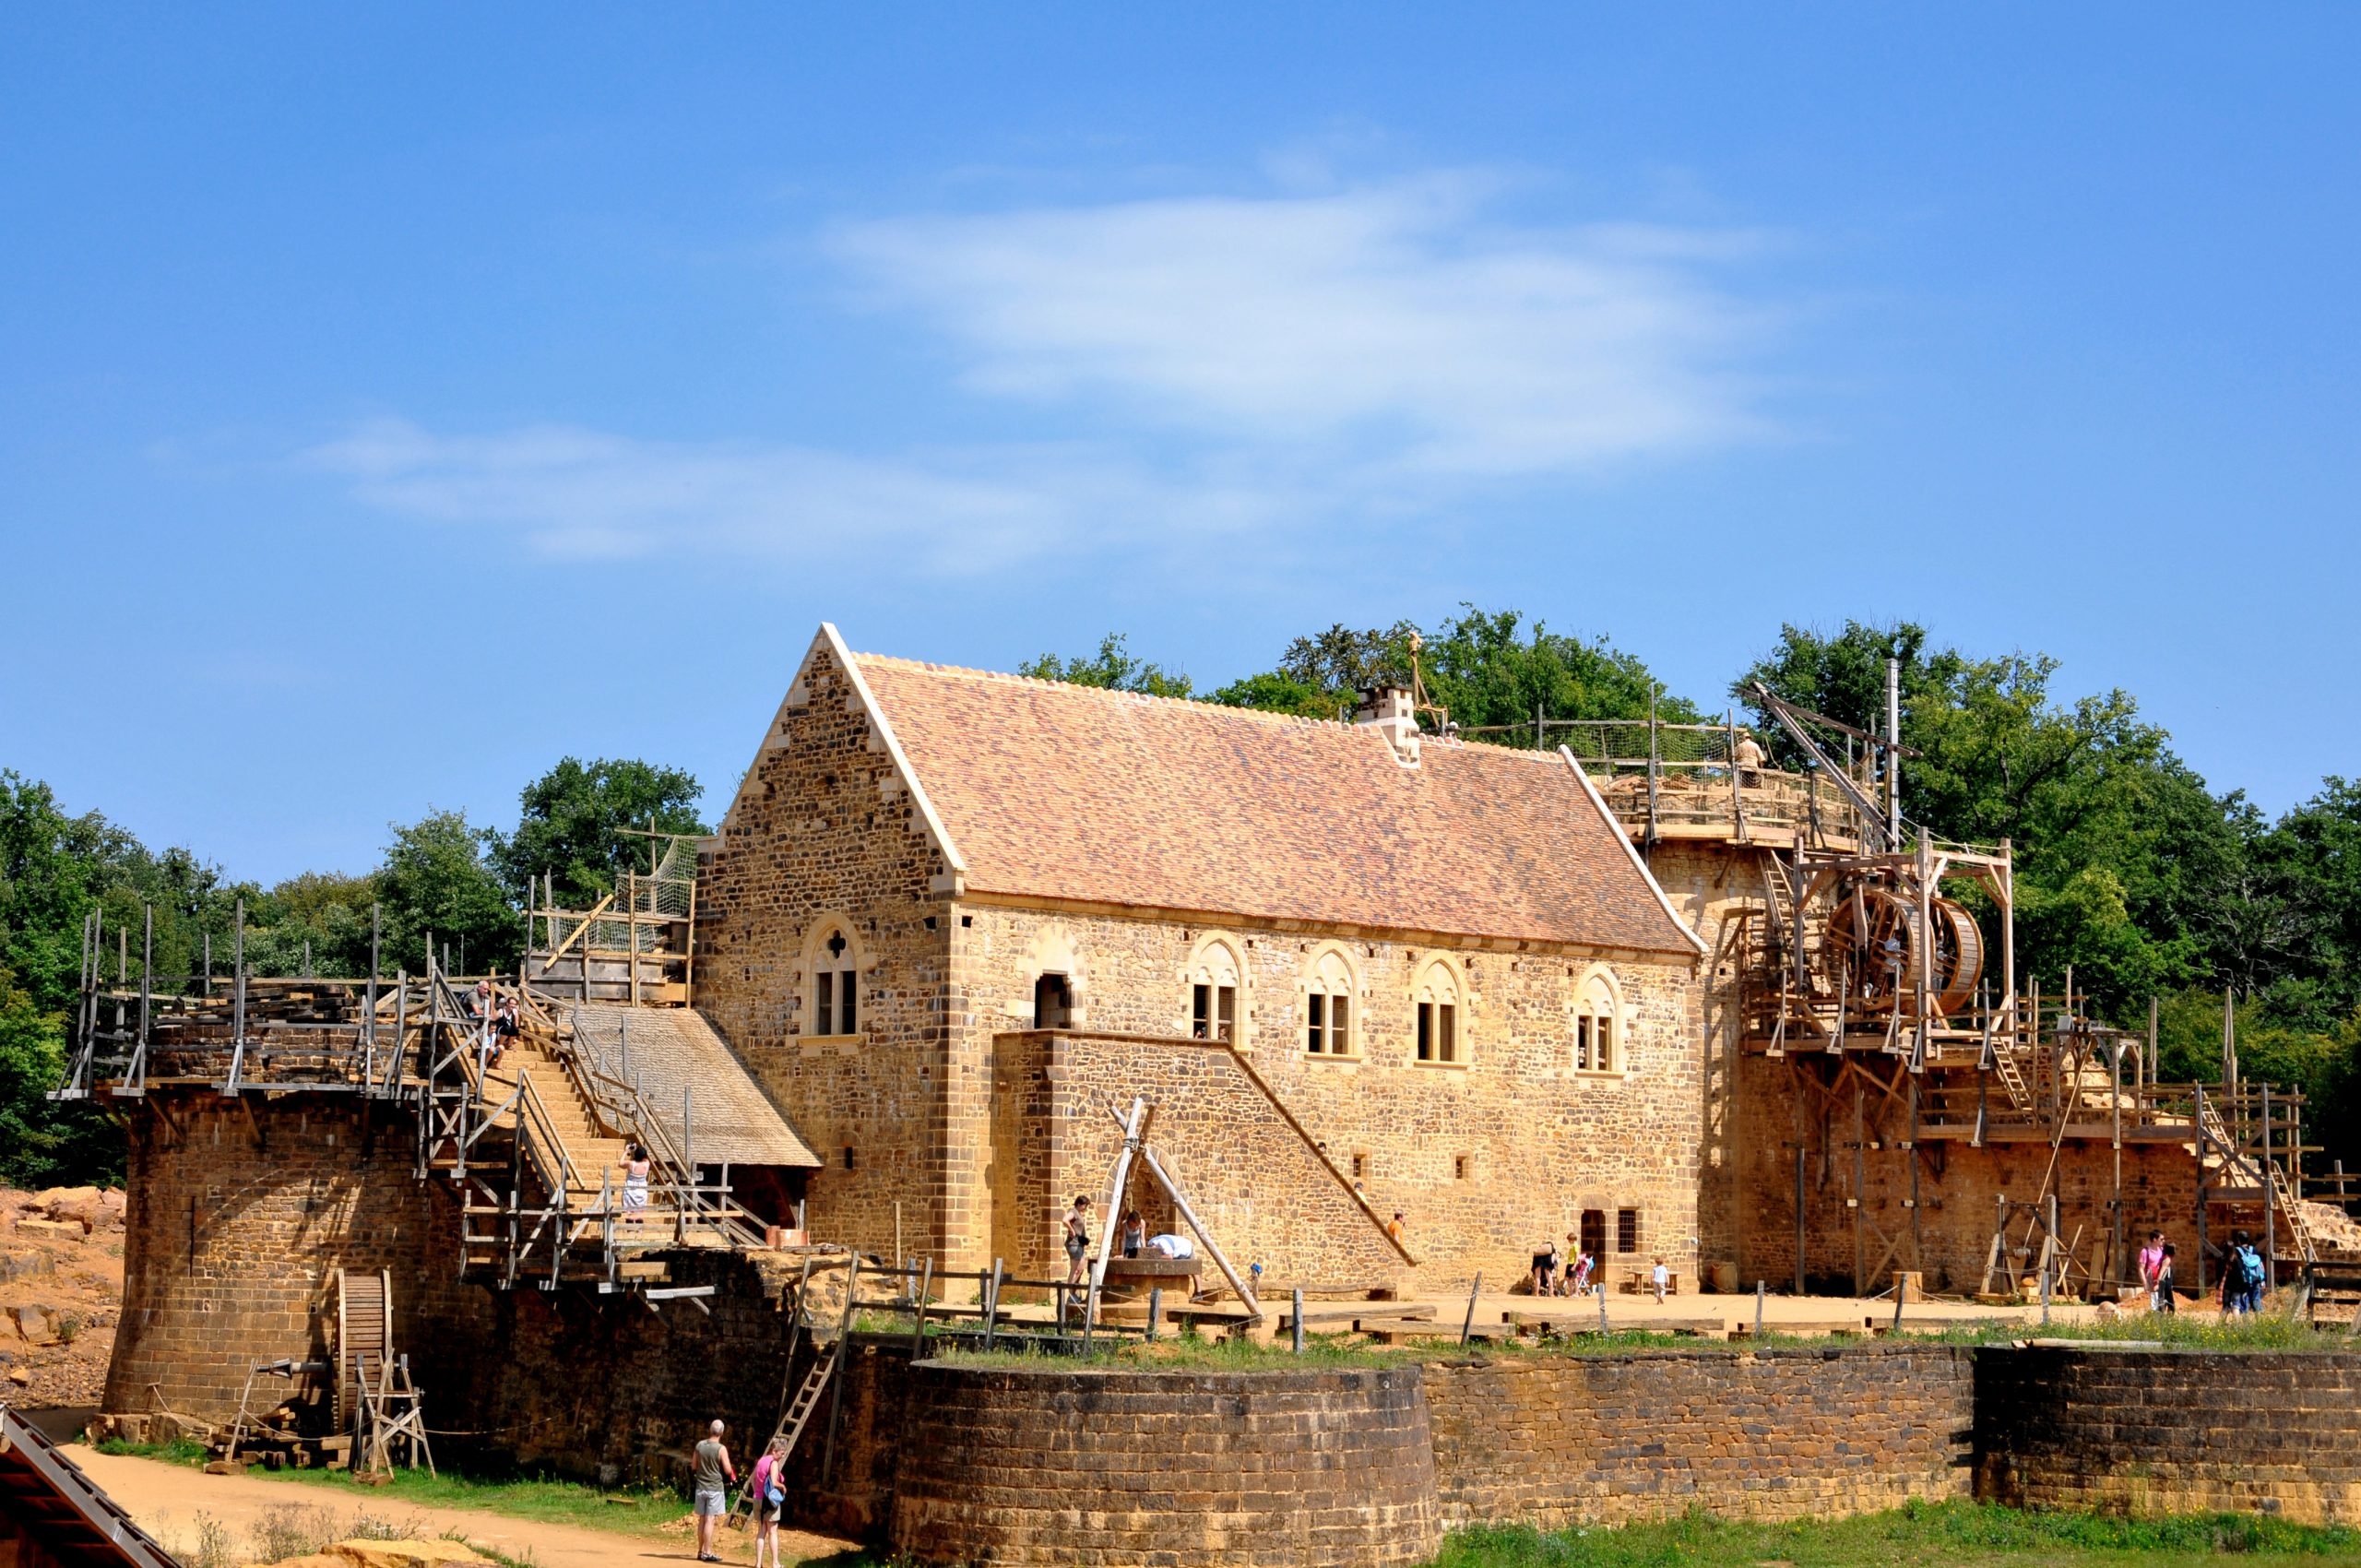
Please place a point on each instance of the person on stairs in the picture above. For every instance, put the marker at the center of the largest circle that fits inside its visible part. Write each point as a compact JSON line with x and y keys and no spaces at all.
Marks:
{"x":635,"y":1165}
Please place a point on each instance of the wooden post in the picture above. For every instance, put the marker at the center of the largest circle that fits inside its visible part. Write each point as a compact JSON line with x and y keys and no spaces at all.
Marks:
{"x":1297,"y":1307}
{"x":1860,"y":1176}
{"x":844,"y":1367}
{"x":991,"y":1306}
{"x":1467,"y":1324}
{"x":1155,"y":1169}
{"x":926,"y":1288}
{"x":1800,"y":1218}
{"x":2269,"y":1218}
{"x":2200,"y":1189}
{"x":1758,"y":1291}
{"x":681,"y":1197}
{"x":1729,"y":754}
{"x":2115,"y":1246}
{"x":1111,"y":1220}
{"x":2148,"y":1062}
{"x":1156,"y":1308}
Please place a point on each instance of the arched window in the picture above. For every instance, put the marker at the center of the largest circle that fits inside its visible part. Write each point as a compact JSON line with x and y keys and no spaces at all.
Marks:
{"x":1329,"y":1016}
{"x":1214,"y":983}
{"x":1598,"y":1024}
{"x":1439,"y":1002}
{"x":832,"y":965}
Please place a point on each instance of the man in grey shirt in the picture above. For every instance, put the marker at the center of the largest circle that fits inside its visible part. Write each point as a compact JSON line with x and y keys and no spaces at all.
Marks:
{"x":713,"y":1471}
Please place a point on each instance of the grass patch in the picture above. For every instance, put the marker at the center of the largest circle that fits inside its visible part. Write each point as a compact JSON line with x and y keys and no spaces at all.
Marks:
{"x":542,"y":1497}
{"x":181,"y":1450}
{"x":1945,"y":1533}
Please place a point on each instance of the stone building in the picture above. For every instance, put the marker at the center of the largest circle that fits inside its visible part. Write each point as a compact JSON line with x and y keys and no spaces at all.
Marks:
{"x":952,"y":917}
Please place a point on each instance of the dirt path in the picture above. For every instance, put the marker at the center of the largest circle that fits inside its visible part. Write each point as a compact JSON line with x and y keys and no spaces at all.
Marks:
{"x":165,"y":1500}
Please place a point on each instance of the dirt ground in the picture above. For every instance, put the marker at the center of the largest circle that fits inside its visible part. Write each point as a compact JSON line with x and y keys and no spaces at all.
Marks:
{"x":61,"y":1287}
{"x":167,"y":1499}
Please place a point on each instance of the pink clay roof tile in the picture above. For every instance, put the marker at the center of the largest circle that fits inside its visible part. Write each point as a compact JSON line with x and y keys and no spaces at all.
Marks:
{"x":1069,"y":793}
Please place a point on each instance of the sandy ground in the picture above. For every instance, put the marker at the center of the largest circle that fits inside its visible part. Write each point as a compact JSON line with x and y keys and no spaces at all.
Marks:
{"x":166,"y":1499}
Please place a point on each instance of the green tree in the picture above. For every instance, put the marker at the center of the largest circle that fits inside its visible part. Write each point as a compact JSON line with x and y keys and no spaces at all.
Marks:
{"x":435,"y":883}
{"x":575,"y":821}
{"x":44,"y":1142}
{"x":1112,"y":667}
{"x":1479,"y":665}
{"x":1493,"y":679}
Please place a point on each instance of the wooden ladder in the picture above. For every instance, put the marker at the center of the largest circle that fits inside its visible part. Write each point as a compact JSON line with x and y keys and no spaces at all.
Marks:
{"x":2004,"y":1063}
{"x":791,"y":1425}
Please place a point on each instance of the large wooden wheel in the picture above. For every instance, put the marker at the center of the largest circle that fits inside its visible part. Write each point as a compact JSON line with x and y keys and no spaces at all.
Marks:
{"x":364,"y":1336}
{"x":1873,"y":952}
{"x":1959,"y":956}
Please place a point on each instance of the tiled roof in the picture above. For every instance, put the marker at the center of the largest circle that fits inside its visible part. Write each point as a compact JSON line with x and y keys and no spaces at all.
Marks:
{"x":1070,"y":792}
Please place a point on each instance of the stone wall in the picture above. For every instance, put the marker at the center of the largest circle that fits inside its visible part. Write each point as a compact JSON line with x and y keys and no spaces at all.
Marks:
{"x":1488,"y":1160}
{"x":1951,"y":1227}
{"x":2170,"y":1432}
{"x":240,"y":1213}
{"x":1775,"y":1434}
{"x":1309,"y":1467}
{"x":1250,"y":1175}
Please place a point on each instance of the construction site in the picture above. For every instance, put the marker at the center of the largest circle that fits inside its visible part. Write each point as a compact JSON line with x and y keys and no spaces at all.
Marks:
{"x":1357,"y":1017}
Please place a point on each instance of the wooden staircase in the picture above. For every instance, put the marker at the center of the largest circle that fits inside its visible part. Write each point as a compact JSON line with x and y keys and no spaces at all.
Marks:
{"x":2238,"y":1169}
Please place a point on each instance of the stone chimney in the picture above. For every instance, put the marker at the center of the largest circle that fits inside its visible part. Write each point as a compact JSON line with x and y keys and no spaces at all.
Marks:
{"x":1387,"y":709}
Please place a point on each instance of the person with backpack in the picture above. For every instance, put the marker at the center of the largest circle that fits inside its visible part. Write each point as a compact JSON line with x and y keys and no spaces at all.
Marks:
{"x":2160,"y":1284}
{"x":2242,"y":1276}
{"x":769,"y":1492}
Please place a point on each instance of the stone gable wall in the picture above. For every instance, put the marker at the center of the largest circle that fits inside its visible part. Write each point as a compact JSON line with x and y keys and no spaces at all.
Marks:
{"x":1779,"y":1434}
{"x":826,"y":828}
{"x":1487,"y":1162}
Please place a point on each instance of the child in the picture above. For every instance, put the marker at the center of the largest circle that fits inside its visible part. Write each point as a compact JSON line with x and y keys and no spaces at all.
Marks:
{"x":2160,"y":1289}
{"x":1583,"y":1263}
{"x":1662,"y":1276}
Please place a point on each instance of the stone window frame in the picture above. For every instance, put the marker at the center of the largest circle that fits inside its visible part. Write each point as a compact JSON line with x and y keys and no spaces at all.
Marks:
{"x":1200,"y":971}
{"x":1309,"y":982}
{"x":815,"y":959}
{"x":1582,"y":1022}
{"x":1462,"y":1054}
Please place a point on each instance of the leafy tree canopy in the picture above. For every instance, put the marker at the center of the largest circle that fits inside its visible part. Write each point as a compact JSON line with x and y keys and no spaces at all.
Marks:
{"x":1479,"y":665}
{"x":1112,"y":667}
{"x":576,"y":821}
{"x":436,"y":884}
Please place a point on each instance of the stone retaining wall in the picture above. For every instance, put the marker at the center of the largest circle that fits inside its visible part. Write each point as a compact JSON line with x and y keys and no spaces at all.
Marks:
{"x":2171,"y":1432}
{"x":1774,"y":1434}
{"x":1300,"y":1467}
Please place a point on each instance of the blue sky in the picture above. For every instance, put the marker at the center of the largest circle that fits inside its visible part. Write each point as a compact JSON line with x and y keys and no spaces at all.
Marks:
{"x":393,"y":400}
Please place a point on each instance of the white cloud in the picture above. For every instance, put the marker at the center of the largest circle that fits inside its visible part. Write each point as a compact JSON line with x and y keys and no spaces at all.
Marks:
{"x":1204,"y":366}
{"x":1390,"y":319}
{"x":583,"y":494}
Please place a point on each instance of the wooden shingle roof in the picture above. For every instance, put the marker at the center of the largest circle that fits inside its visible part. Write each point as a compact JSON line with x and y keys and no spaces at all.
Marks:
{"x":1072,"y":793}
